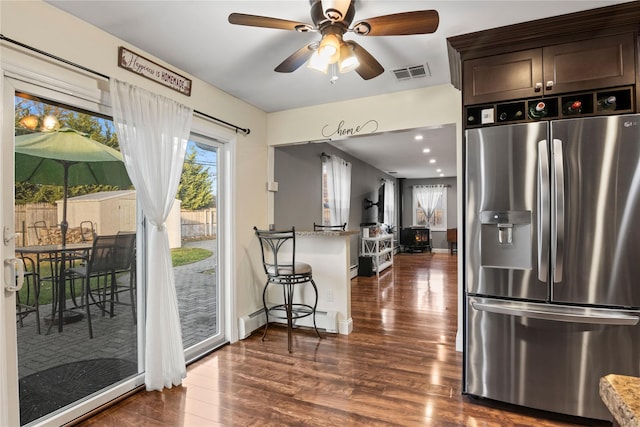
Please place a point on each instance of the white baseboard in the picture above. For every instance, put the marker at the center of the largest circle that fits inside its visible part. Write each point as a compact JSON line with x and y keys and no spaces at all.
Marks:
{"x":440,"y":251}
{"x":327,"y":320}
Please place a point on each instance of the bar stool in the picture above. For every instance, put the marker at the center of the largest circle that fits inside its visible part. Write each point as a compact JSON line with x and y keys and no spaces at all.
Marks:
{"x":283,"y":270}
{"x":320,"y":227}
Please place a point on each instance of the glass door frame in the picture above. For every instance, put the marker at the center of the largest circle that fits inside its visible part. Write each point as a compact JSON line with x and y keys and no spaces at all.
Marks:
{"x":9,"y":392}
{"x":90,"y":100}
{"x":204,"y":131}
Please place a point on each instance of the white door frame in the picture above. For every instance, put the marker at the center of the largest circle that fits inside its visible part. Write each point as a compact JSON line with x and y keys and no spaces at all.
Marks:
{"x":9,"y":397}
{"x":16,"y":79}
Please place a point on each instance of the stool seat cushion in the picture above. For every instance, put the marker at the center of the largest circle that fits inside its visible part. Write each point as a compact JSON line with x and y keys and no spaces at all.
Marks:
{"x":287,"y":270}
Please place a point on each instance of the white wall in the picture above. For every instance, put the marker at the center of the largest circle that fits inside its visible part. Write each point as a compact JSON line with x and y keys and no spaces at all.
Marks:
{"x":396,"y":111}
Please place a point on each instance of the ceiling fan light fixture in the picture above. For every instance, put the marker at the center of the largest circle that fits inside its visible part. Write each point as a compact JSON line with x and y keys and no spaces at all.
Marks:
{"x":335,"y":10}
{"x":330,"y":48}
{"x":348,"y":59}
{"x":318,"y":63}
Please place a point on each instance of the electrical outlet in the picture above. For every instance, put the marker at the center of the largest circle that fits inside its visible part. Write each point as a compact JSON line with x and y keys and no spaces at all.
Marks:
{"x":330,"y":295}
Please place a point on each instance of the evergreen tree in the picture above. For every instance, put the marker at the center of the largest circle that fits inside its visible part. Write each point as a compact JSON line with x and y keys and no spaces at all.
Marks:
{"x":195,"y":184}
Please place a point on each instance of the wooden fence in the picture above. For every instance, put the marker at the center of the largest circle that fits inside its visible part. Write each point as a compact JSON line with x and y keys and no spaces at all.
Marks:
{"x":34,"y":219}
{"x":198,"y":224}
{"x":28,"y":217}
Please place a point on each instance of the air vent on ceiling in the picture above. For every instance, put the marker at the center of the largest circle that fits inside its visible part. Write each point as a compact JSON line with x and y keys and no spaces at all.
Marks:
{"x":413,"y":72}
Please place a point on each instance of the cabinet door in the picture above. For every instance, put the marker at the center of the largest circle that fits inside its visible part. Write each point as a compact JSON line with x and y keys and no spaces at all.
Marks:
{"x":589,"y":64}
{"x":502,"y":77}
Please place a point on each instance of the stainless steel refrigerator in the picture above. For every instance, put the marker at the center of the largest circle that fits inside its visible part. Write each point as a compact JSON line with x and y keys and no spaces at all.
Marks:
{"x":552,"y":261}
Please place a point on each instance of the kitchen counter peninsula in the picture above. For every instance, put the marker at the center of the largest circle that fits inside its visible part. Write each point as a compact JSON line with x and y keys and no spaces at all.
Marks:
{"x":621,"y":395}
{"x":328,"y":253}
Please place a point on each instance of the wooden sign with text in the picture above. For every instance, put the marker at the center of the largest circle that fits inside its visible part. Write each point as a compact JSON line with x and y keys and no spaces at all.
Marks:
{"x":142,"y":66}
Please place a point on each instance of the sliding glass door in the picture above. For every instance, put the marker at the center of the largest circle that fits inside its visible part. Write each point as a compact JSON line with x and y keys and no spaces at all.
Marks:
{"x":196,"y":260}
{"x":71,"y":337}
{"x":73,"y":324}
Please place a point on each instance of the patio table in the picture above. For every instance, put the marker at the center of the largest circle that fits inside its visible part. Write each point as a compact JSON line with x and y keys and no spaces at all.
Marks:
{"x":54,"y":252}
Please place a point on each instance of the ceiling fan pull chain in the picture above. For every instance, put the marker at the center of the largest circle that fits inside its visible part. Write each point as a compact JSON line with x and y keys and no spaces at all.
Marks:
{"x":334,"y":75}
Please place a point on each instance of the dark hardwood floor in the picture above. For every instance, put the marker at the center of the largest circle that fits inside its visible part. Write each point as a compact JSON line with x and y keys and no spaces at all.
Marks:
{"x":399,"y":367}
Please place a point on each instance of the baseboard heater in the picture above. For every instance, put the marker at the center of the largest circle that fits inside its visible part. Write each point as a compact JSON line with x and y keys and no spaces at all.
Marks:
{"x":327,"y":320}
{"x":353,"y":271}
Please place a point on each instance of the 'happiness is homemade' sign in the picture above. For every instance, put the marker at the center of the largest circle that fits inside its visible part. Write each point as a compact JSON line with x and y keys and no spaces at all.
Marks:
{"x":149,"y":69}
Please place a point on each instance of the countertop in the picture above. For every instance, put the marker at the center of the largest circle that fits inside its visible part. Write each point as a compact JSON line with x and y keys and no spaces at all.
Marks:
{"x":326,"y":233}
{"x":621,"y":394}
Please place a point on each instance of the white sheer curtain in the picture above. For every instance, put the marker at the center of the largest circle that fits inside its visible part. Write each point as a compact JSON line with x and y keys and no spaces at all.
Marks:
{"x":338,"y":189}
{"x":389,"y":202}
{"x":428,"y":196}
{"x":153,"y":132}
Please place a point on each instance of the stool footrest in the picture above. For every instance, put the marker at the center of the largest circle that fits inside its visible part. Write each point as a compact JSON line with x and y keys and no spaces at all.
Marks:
{"x":298,"y":311}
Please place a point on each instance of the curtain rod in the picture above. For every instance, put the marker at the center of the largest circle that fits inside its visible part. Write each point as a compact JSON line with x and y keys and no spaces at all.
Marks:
{"x":246,"y":131}
{"x":432,"y":185}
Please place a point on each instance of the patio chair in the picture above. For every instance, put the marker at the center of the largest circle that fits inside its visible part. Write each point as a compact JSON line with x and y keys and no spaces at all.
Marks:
{"x":98,"y":274}
{"x":283,"y":270}
{"x":27,"y":300}
{"x":125,"y":262}
{"x":42,"y":232}
{"x":87,"y":231}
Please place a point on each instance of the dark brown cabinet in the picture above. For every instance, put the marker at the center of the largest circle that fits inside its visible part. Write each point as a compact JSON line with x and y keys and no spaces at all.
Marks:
{"x":502,"y":77}
{"x":562,"y":68}
{"x":590,"y":64}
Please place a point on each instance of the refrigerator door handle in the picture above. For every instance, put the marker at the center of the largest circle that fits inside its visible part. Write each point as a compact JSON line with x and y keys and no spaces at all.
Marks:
{"x":557,"y":231}
{"x":593,"y":316}
{"x":543,"y":211}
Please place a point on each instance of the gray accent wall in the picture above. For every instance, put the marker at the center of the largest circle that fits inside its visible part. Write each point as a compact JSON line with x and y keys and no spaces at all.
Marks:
{"x":298,"y":201}
{"x":438,"y":238}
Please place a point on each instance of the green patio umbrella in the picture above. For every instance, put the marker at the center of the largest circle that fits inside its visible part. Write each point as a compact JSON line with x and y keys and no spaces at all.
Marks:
{"x":67,"y":157}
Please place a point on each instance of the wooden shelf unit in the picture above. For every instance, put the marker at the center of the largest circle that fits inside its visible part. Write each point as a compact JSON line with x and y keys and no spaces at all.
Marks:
{"x":380,"y":249}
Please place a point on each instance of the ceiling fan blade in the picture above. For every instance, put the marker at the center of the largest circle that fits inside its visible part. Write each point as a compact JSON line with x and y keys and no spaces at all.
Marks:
{"x":266,"y":22}
{"x":369,"y":67}
{"x":399,"y":24}
{"x":294,"y":61}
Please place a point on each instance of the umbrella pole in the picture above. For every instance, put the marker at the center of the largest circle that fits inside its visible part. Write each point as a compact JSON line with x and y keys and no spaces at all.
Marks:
{"x":63,"y":315}
{"x":64,"y":225}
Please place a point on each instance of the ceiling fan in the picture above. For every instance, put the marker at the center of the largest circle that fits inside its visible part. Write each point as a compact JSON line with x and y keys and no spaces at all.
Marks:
{"x":333,"y":19}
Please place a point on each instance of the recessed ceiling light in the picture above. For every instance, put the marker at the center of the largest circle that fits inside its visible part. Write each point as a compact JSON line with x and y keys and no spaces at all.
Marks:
{"x":432,"y":161}
{"x":438,"y":170}
{"x":426,"y":150}
{"x":441,"y":174}
{"x":418,"y":137}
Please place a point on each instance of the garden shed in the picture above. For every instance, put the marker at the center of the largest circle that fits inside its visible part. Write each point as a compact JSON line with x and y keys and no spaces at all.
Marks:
{"x":114,"y":211}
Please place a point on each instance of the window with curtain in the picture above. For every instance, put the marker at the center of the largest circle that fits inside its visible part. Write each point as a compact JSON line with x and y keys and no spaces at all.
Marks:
{"x":336,"y":190}
{"x":389,"y":202}
{"x":430,"y":206}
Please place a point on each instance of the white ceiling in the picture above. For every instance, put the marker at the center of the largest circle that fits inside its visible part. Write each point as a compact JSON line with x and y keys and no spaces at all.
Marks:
{"x":196,"y":37}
